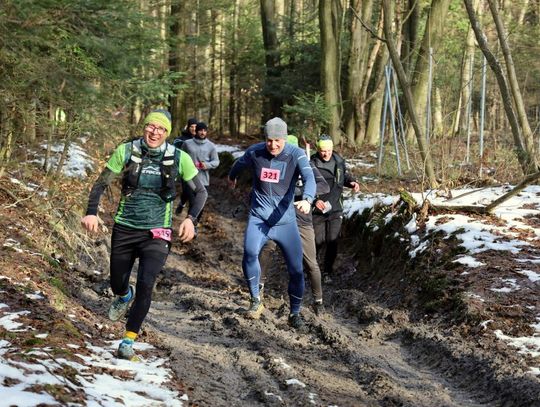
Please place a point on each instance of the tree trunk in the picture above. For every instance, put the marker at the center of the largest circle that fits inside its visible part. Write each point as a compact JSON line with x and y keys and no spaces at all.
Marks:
{"x":195,"y":64}
{"x":514,"y":191}
{"x":273,"y":104}
{"x":291,"y":29}
{"x":409,"y":102}
{"x":6,"y":133}
{"x":410,"y":34}
{"x":63,"y":156}
{"x":438,"y":123}
{"x":522,"y":13}
{"x":523,"y":157}
{"x":373,"y":103}
{"x":514,"y":87}
{"x":420,"y":80}
{"x":357,"y":66}
{"x":329,"y":67}
{"x":374,"y":119}
{"x":30,"y":118}
{"x":233,"y":73}
{"x":461,"y":117}
{"x":50,"y":138}
{"x":176,"y":36}
{"x":215,"y":16}
{"x":221,"y":80}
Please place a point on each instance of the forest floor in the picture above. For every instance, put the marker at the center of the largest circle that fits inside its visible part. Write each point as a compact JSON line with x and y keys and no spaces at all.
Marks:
{"x":370,"y":348}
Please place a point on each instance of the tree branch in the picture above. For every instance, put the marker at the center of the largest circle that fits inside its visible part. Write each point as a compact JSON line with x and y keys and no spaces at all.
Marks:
{"x":367,"y":27}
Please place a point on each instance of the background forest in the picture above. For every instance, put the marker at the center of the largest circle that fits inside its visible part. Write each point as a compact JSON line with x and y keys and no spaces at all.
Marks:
{"x":348,"y":68}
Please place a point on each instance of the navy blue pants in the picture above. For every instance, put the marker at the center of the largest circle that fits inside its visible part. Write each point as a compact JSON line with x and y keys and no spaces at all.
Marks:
{"x":287,"y":238}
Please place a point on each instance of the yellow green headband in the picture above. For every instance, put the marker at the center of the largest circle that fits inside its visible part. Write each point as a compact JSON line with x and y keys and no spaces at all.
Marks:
{"x":158,"y":118}
{"x":325,"y":144}
{"x":292,"y":140}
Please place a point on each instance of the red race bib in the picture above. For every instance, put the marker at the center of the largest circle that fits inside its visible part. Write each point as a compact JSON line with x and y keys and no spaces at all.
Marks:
{"x":270,"y":175}
{"x":161,"y":233}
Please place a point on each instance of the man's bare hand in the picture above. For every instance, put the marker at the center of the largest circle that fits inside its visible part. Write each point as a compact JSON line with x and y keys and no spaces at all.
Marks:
{"x":90,"y":223}
{"x":320,"y":205}
{"x":355,"y":186}
{"x":303,"y":206}
{"x":186,"y":231}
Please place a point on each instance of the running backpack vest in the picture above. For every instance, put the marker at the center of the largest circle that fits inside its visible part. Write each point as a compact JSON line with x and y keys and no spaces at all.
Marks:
{"x":130,"y":181}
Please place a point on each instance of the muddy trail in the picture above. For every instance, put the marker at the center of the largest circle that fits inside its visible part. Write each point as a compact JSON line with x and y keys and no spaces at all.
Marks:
{"x":359,"y":353}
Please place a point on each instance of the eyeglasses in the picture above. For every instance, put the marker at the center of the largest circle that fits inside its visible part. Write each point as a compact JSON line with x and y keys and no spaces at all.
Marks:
{"x":155,"y":129}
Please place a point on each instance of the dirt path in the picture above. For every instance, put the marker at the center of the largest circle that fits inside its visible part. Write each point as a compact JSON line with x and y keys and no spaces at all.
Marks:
{"x":358,"y":354}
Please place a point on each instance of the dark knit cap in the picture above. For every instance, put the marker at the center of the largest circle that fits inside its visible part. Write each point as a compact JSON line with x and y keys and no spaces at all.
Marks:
{"x":191,"y":121}
{"x":201,"y":126}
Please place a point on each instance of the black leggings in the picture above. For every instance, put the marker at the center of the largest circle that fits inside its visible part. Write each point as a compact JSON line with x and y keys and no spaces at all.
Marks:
{"x":327,"y":230}
{"x":127,"y":244}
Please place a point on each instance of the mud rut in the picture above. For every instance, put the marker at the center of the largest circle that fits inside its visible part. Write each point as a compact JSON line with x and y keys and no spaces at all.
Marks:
{"x":358,"y":354}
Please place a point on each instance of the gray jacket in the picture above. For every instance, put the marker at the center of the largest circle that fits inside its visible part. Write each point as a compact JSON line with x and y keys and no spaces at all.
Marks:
{"x":202,"y":151}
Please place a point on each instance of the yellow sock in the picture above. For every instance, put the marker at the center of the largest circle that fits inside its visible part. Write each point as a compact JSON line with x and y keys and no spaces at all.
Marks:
{"x":130,"y":335}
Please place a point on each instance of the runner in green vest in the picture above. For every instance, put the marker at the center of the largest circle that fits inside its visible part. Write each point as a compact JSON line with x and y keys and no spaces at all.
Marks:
{"x":143,"y":221}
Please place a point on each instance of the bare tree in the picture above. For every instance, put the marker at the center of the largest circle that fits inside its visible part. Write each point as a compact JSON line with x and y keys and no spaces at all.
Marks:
{"x":273,"y":104}
{"x":526,"y":161}
{"x":328,"y":23}
{"x":353,"y":115}
{"x":375,"y":73}
{"x":176,"y":35}
{"x":461,"y":117}
{"x":233,"y":86}
{"x":420,"y":78}
{"x":410,"y":33}
{"x":514,"y":85}
{"x":409,"y":102}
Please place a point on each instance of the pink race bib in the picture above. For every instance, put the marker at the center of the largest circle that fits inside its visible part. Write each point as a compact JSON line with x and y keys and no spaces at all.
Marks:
{"x":161,"y":233}
{"x":270,"y":175}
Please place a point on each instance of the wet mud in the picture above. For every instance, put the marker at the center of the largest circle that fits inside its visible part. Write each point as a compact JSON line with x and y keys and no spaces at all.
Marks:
{"x":361,"y":352}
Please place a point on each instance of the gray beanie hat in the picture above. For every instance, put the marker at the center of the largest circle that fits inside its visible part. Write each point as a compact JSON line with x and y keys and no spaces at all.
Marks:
{"x":275,"y":128}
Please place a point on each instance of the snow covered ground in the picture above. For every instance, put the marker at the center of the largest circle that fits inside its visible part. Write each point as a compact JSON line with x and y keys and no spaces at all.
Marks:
{"x":478,"y":235}
{"x":101,"y":377}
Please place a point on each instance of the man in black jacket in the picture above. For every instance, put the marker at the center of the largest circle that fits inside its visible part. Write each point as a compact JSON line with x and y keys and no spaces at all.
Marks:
{"x":188,"y":132}
{"x":328,"y":212}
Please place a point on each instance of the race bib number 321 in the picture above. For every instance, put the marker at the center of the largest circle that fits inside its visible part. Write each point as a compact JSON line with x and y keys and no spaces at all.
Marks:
{"x":269,"y":175}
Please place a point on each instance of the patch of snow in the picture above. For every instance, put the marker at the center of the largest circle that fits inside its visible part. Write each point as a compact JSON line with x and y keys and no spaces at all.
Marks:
{"x":469,"y":261}
{"x":525,"y":344}
{"x":77,"y":163}
{"x":419,"y":249}
{"x":35,"y":296}
{"x":268,"y":394}
{"x":28,"y":187}
{"x":531,"y":275}
{"x":485,"y":323}
{"x":8,"y":321}
{"x":42,"y":336}
{"x":236,"y":151}
{"x":282,"y":363}
{"x":357,"y":204}
{"x":294,"y":382}
{"x":411,"y":227}
{"x":512,"y":286}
